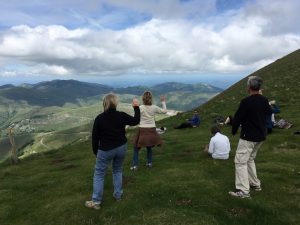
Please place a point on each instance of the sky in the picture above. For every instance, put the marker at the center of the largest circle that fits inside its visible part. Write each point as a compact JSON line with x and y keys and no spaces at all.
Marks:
{"x":140,"y":41}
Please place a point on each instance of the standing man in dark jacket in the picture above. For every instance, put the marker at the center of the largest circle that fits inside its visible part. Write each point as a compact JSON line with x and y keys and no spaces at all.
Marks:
{"x":251,"y":115}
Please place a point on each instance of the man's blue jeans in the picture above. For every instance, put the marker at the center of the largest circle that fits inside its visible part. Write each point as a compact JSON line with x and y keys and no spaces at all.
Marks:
{"x":116,"y":156}
{"x":136,"y":156}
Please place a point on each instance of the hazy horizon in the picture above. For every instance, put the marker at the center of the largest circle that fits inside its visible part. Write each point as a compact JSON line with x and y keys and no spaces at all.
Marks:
{"x":221,"y":81}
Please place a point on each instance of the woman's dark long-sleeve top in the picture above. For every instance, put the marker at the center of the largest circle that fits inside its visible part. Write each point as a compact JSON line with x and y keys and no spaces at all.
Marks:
{"x":252,"y":115}
{"x":109,"y":129}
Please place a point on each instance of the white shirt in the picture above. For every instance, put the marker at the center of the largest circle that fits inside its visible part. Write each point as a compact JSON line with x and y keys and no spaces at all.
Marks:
{"x":148,"y":114}
{"x":219,"y":146}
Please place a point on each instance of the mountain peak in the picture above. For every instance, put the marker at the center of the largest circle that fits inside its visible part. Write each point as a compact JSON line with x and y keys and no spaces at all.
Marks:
{"x":6,"y":86}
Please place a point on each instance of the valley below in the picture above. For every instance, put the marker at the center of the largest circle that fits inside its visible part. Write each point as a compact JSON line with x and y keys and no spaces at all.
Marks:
{"x":53,"y":114}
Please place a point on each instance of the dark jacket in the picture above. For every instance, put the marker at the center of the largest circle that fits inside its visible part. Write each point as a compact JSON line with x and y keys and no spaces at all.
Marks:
{"x":252,"y":116}
{"x":109,"y":129}
{"x":195,"y":120}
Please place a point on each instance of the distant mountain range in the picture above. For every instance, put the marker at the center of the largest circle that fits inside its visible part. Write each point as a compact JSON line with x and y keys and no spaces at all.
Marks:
{"x":43,"y":113}
{"x":59,"y":92}
{"x":52,"y":93}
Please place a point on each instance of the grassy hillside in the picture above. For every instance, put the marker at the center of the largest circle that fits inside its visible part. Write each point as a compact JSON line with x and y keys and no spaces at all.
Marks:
{"x":281,"y":82}
{"x":185,"y":186}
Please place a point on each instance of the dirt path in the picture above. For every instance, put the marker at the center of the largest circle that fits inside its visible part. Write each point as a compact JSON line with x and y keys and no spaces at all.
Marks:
{"x":42,"y":143}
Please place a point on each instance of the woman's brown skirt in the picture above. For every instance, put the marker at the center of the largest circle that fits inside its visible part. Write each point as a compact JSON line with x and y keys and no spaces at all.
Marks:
{"x":147,"y":137}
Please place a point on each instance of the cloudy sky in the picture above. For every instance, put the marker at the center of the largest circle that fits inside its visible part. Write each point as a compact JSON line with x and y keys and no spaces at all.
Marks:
{"x":65,"y":39}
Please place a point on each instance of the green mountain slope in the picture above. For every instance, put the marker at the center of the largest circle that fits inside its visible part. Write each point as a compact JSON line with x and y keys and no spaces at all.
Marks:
{"x":185,"y":186}
{"x":53,"y":93}
{"x":281,"y":82}
{"x":44,"y":108}
{"x":60,"y":92}
{"x":47,"y":107}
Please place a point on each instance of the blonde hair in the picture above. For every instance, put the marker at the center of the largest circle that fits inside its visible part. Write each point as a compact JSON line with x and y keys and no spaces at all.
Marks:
{"x":110,"y":101}
{"x":147,"y":98}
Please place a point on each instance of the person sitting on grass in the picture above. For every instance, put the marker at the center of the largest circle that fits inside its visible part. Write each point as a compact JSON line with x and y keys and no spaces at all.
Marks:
{"x":219,"y":145}
{"x":193,"y":122}
{"x":271,"y":118}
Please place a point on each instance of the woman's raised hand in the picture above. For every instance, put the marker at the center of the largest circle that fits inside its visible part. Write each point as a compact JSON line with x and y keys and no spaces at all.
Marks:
{"x":162,"y":98}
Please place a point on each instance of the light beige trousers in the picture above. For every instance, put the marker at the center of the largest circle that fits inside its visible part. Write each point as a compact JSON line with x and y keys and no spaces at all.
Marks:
{"x":245,"y":169}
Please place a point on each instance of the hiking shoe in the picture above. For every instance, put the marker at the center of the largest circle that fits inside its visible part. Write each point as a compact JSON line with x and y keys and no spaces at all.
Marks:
{"x":149,"y":165}
{"x":133,"y":168}
{"x":117,"y":199}
{"x":92,"y":205}
{"x":256,"y":188}
{"x":239,"y":194}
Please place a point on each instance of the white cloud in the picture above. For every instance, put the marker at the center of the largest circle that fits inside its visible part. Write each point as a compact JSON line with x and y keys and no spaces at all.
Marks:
{"x":245,"y":41}
{"x":279,"y":17}
{"x":50,"y":70}
{"x":9,"y":74}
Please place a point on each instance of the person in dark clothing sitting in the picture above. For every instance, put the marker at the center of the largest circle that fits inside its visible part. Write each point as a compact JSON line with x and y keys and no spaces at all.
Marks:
{"x":271,"y":120}
{"x":109,"y":145}
{"x":193,"y":122}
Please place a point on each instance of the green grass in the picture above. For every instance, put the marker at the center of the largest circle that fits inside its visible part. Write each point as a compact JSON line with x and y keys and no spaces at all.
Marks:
{"x":185,"y":186}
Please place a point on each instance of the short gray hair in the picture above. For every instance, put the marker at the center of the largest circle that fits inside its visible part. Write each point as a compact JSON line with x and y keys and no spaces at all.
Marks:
{"x":110,"y":101}
{"x":254,"y":83}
